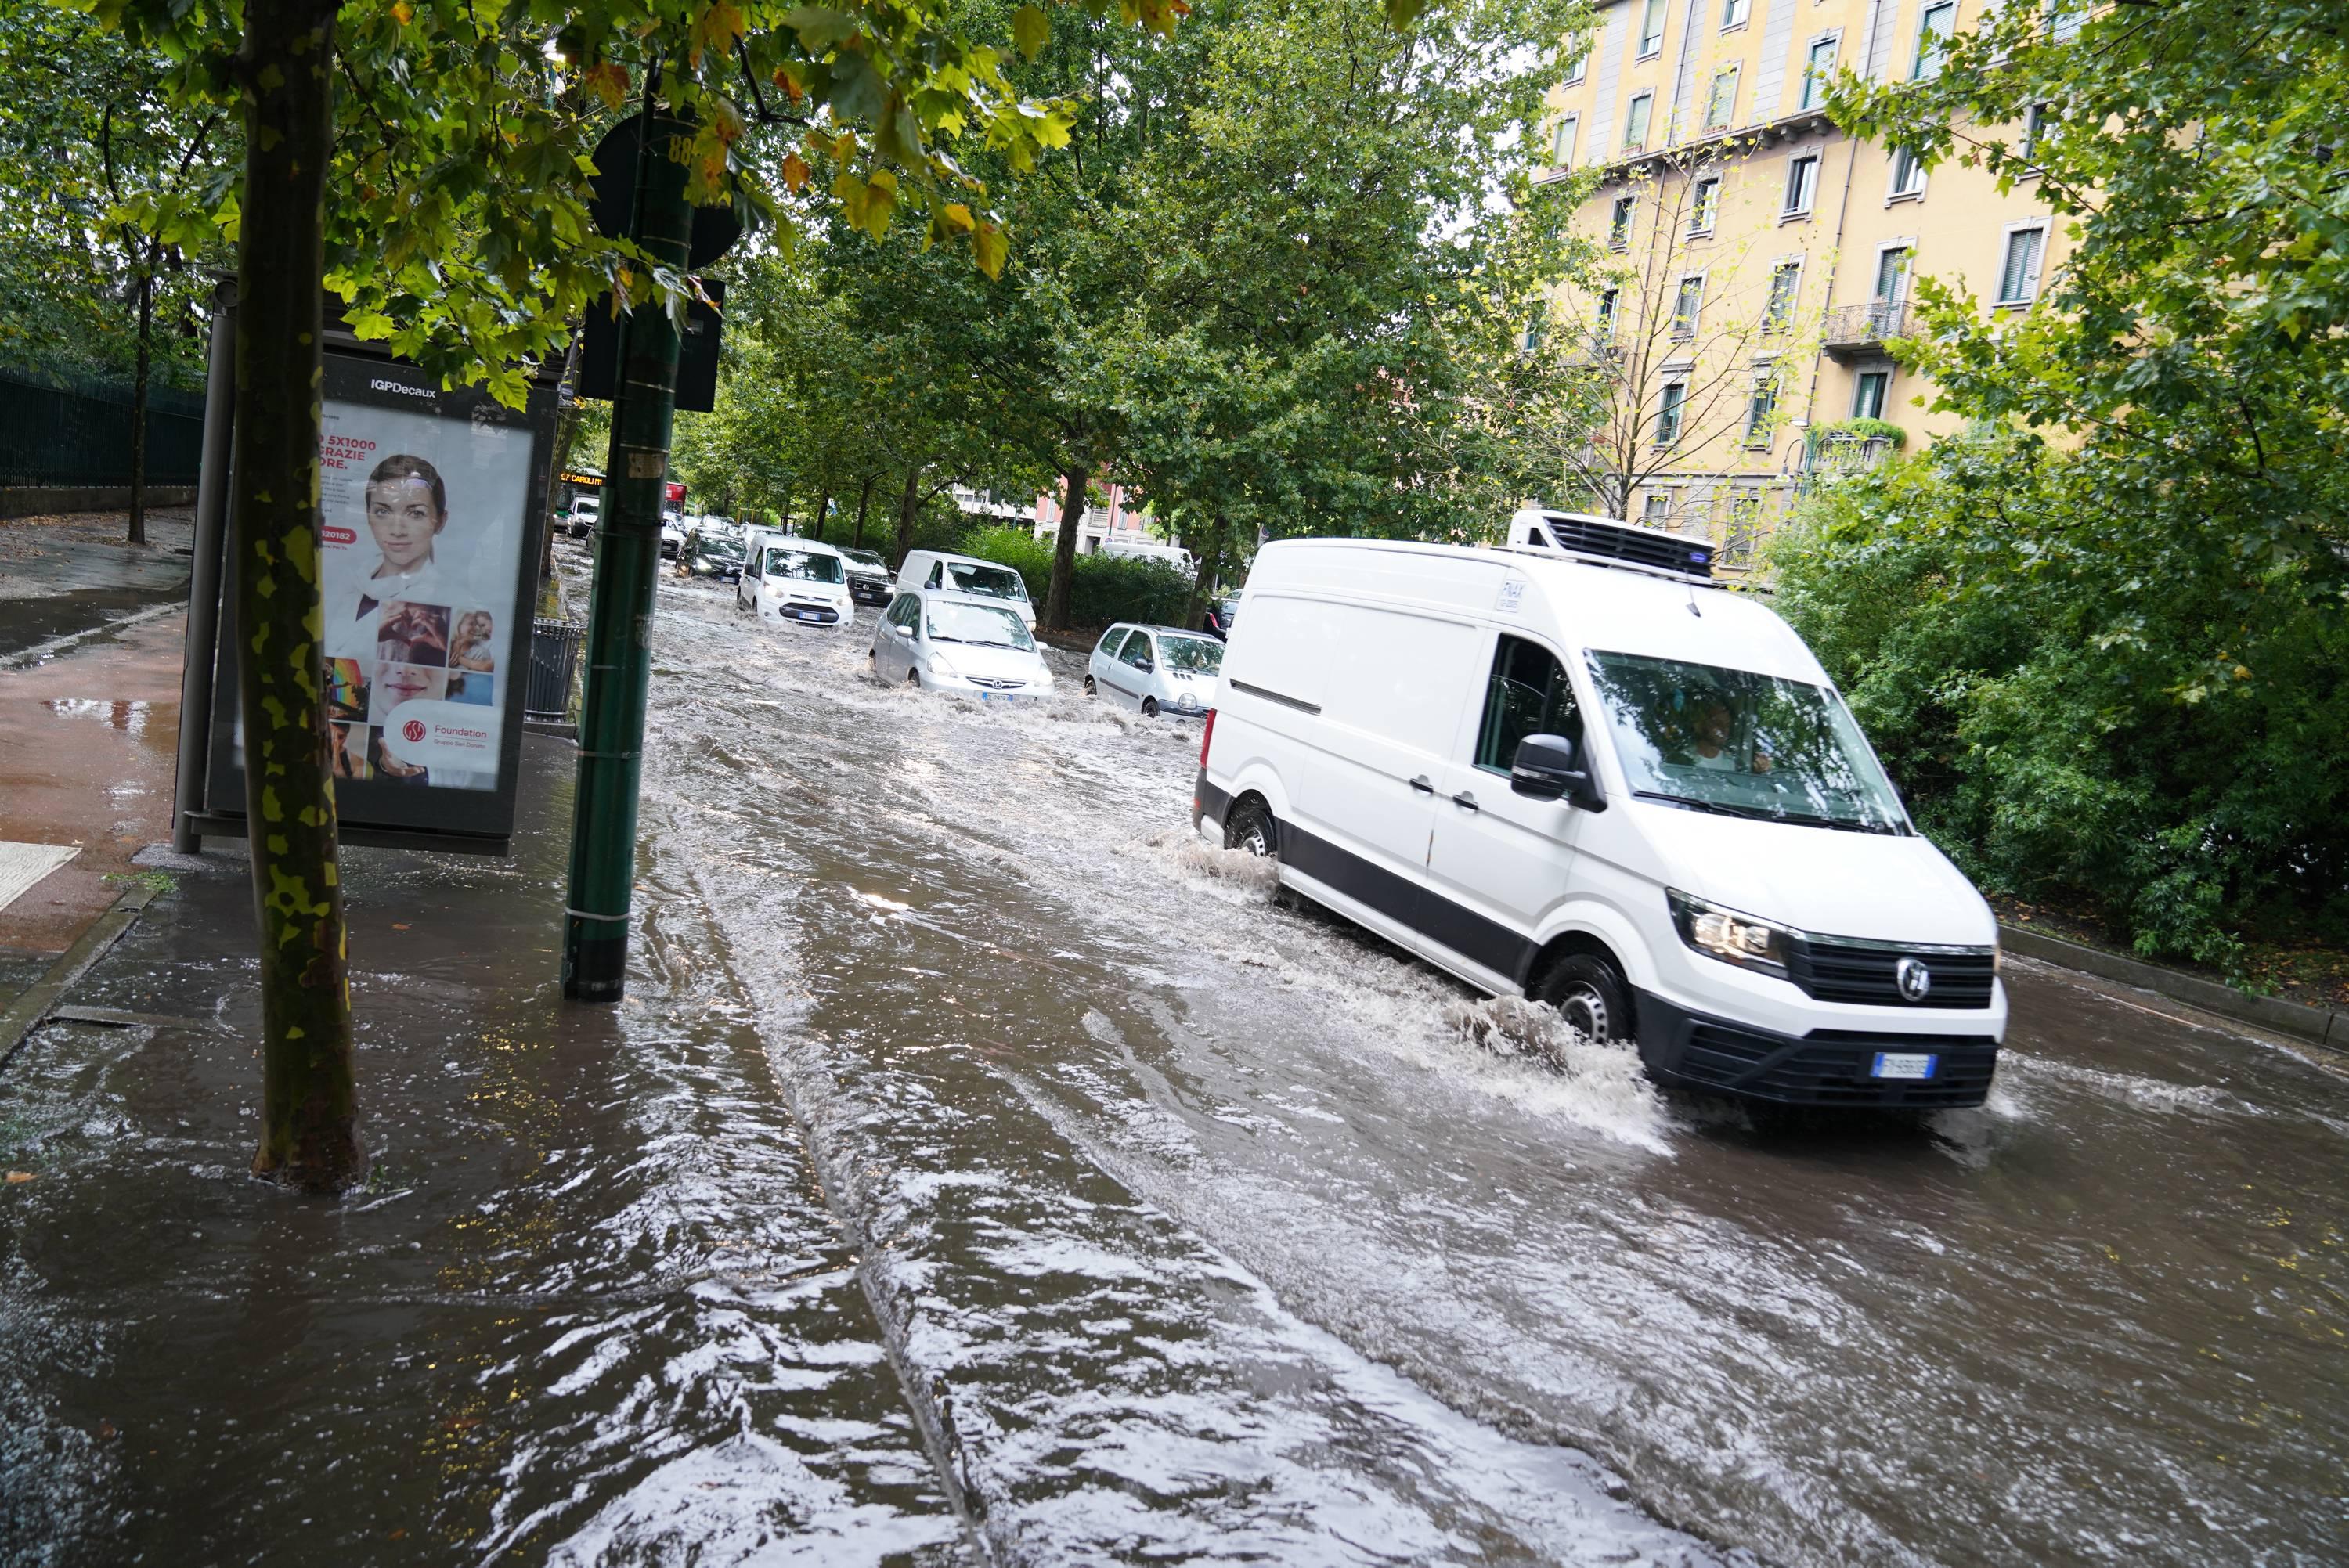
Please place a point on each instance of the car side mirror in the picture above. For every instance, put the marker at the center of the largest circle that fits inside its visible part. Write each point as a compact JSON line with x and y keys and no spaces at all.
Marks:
{"x":1553,"y":768}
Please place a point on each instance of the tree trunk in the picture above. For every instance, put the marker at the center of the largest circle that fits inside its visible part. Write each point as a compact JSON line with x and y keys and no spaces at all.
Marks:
{"x":139,"y":378}
{"x":1194,"y":614}
{"x":823,"y":509}
{"x":906,"y":507}
{"x":308,"y":1102}
{"x":1065,"y":549}
{"x":864,"y":500}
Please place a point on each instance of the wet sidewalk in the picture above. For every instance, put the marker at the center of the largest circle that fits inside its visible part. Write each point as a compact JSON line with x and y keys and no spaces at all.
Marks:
{"x":591,"y":1306}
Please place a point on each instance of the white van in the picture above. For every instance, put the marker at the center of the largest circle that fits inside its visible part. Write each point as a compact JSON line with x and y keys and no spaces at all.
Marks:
{"x":1577,"y":770}
{"x":787,"y":577}
{"x":934,"y":571}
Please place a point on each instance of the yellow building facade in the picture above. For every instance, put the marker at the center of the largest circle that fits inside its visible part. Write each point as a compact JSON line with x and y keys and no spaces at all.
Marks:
{"x":1762,"y":257}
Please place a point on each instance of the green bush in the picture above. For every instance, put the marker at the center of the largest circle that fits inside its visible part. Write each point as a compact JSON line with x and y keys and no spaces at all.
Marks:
{"x":2091,"y":688}
{"x":1106,"y":587}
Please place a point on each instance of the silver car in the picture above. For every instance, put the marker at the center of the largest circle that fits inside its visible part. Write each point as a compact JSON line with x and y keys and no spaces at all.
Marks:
{"x":1155,"y":669}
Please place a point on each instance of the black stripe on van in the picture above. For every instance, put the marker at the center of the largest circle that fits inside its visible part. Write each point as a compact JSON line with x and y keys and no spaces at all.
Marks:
{"x":1299,"y":703}
{"x":1441,"y":920}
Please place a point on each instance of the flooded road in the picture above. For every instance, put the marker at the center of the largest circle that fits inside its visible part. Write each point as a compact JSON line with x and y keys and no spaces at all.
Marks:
{"x":1214,"y":1230}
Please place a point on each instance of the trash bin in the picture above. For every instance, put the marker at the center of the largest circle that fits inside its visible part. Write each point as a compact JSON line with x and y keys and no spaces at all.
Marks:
{"x":553,"y":661}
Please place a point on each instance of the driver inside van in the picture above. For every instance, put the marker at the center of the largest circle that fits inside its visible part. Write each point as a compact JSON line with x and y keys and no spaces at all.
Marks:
{"x":1716,"y":724}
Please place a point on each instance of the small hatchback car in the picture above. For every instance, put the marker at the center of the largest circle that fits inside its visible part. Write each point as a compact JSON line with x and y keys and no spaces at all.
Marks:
{"x":959,"y":642}
{"x":1155,"y":669}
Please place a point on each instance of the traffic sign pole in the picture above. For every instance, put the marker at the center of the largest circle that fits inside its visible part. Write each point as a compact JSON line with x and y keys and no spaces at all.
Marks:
{"x":628,"y":565}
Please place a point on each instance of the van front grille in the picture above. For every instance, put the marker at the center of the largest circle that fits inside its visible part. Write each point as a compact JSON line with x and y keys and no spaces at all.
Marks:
{"x":1870,"y":974}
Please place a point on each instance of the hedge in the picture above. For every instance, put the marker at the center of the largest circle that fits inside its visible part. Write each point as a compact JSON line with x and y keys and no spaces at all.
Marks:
{"x":1107,"y":587}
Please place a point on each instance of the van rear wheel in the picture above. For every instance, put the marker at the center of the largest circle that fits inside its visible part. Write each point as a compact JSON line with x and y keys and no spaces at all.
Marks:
{"x":1088,"y":687}
{"x":1589,"y":993}
{"x":1250,"y":828}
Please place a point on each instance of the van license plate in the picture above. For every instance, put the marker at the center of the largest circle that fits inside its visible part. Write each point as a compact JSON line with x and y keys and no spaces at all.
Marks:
{"x":1897,"y":1065}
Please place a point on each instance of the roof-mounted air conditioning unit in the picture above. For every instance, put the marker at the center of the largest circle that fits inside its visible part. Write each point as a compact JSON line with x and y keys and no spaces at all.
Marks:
{"x":1604,"y":541}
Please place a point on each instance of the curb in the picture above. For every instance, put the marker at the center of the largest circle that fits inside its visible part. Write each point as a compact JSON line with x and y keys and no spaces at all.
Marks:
{"x":2320,"y":1024}
{"x":31,"y":1009}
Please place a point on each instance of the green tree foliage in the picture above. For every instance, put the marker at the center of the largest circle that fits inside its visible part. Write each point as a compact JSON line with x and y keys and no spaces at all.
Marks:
{"x":1103,"y":589}
{"x":2165,"y":738}
{"x":2118,"y":666}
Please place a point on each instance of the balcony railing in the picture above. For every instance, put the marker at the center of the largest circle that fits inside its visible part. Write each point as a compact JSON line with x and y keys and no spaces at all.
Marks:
{"x":1840,"y":452}
{"x":1851,"y":327}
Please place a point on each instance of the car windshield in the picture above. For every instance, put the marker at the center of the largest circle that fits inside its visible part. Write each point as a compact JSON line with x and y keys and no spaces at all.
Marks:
{"x":983,"y":624}
{"x":995,"y":581}
{"x":1741,"y":744}
{"x":783,"y":562}
{"x":865,"y":557}
{"x":1192,"y":656}
{"x":725,"y":548}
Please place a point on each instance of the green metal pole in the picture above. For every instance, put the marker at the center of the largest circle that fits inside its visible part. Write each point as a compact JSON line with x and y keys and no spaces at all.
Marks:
{"x":620,"y":618}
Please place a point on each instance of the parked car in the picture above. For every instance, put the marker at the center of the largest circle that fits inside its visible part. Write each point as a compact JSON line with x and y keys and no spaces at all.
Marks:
{"x":1601,"y":780}
{"x":925,"y":569}
{"x":868,"y":576}
{"x":968,"y":644}
{"x":714,"y":555}
{"x":1127,"y":545}
{"x":787,"y":577}
{"x":1154,"y":669}
{"x":586,"y":512}
{"x":672,"y":535}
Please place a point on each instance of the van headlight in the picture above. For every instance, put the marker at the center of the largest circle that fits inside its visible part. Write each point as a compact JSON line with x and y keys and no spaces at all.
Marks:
{"x":1730,"y":936}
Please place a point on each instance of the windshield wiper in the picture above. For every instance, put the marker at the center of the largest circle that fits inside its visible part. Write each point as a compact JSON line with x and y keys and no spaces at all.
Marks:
{"x":1752,"y":813}
{"x":1687,"y":803}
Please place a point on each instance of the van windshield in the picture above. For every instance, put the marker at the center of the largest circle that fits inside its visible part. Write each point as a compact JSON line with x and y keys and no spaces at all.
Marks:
{"x":803,"y":563}
{"x":995,"y":581}
{"x":1706,"y":738}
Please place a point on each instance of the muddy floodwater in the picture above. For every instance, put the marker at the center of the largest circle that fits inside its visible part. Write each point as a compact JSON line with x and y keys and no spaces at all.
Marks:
{"x":1152,"y":1220}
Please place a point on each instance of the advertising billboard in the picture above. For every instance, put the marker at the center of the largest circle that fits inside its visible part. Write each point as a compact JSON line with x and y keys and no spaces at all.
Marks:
{"x":430,"y":504}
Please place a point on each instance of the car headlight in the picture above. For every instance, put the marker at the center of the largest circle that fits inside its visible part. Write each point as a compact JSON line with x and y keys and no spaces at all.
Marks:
{"x":935,"y":663}
{"x":1731,"y":936}
{"x":1187,"y":701}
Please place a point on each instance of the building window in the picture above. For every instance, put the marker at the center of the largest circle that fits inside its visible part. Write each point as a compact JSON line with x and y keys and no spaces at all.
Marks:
{"x":2036,"y":120}
{"x":1603,"y":329}
{"x":1893,"y":274}
{"x":1785,"y":280}
{"x":1721,"y":103}
{"x":1532,"y":338}
{"x":2065,"y":18}
{"x":1618,"y":227}
{"x":1761,"y":408}
{"x":1635,"y":122}
{"x":1581,"y":66}
{"x":1932,"y":37}
{"x":1657,"y":506}
{"x":1706,"y":205}
{"x":2018,"y":270}
{"x":1651,"y":28}
{"x":1733,"y":13}
{"x":1907,"y":173}
{"x":1561,"y":142}
{"x":1668,"y":415}
{"x":1686,"y":305}
{"x":1816,"y":73}
{"x":1802,"y":183}
{"x":1867,"y":394}
{"x":1744,"y":530}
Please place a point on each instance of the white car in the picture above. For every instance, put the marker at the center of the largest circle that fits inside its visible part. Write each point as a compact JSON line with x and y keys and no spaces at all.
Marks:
{"x":672,"y":535}
{"x":960,"y":642}
{"x":1154,"y":669}
{"x":787,"y":577}
{"x":1573,"y":768}
{"x":925,"y":569}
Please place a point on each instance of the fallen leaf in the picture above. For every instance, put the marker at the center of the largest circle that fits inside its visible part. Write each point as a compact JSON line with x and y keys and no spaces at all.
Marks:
{"x":399,"y":925}
{"x":17,"y":1176}
{"x":106,"y":1429}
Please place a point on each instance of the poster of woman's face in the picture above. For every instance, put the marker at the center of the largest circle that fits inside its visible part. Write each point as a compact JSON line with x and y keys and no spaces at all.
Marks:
{"x":424,"y":521}
{"x":396,"y":684}
{"x":346,"y":750}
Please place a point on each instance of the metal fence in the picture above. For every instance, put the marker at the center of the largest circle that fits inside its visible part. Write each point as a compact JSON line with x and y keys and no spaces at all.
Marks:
{"x":554,"y":666}
{"x":73,"y":430}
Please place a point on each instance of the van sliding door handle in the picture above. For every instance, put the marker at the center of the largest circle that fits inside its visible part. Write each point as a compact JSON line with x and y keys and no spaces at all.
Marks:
{"x":1423,"y":786}
{"x":1464,"y":798}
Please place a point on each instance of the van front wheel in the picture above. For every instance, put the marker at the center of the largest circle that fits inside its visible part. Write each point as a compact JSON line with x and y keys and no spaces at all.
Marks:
{"x":1250,"y":828}
{"x":1589,"y":993}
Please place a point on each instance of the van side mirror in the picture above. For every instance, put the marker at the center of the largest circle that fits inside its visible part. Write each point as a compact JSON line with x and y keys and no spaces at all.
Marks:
{"x":1552,"y":768}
